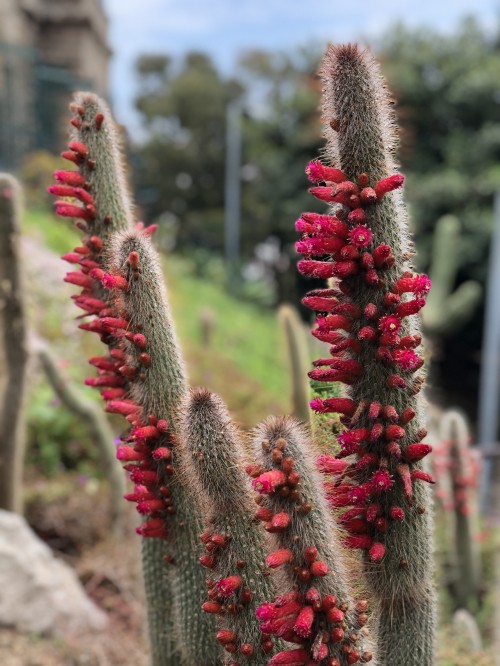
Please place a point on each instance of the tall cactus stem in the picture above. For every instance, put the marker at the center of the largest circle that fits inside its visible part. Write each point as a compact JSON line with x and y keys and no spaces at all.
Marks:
{"x":322,"y":616}
{"x":149,"y":359}
{"x":464,"y":471}
{"x":236,"y":547}
{"x":14,"y":353}
{"x":298,"y":361}
{"x":448,"y":309}
{"x":368,"y":316}
{"x":99,"y":428}
{"x":94,"y":194}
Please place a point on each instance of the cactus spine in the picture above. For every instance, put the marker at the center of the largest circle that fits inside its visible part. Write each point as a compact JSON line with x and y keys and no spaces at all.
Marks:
{"x":235,"y":548}
{"x":321,"y":615}
{"x":367,"y":318}
{"x":14,"y":355}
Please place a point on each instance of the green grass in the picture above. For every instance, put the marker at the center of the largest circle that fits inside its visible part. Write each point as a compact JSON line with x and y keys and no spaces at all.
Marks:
{"x":243,"y":333}
{"x":58,"y":235}
{"x":246,"y":358}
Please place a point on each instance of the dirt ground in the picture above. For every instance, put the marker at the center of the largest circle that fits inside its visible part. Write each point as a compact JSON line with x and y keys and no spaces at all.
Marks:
{"x":77,"y":528}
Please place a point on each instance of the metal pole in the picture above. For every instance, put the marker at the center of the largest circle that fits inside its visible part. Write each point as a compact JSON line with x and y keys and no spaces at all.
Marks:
{"x":232,"y":194}
{"x":490,"y":366}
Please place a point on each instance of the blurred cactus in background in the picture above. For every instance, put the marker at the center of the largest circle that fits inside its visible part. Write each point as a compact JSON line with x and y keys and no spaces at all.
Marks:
{"x":208,"y":555}
{"x":14,"y":351}
{"x":457,"y":468}
{"x":448,"y":309}
{"x":298,"y":360}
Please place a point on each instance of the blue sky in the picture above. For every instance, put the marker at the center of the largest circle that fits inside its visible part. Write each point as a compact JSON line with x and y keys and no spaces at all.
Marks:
{"x":225,"y":28}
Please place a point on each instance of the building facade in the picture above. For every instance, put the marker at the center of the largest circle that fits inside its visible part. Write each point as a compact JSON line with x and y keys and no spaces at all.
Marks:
{"x":48,"y":49}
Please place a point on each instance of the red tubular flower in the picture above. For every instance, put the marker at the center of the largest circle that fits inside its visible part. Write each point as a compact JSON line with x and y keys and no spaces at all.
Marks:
{"x":382,"y":480}
{"x":297,"y":657}
{"x":358,"y":541}
{"x":407,"y":359}
{"x":114,"y":282}
{"x":376,"y":552}
{"x":72,"y":178}
{"x":323,"y":225}
{"x":409,"y":308}
{"x":415,"y":452}
{"x":389,"y":184}
{"x":278,"y":557}
{"x":226,"y":586}
{"x":361,"y":236}
{"x":323,"y":193}
{"x":267,"y":482}
{"x":304,"y":622}
{"x":320,"y":245}
{"x":318,"y":172}
{"x":339,"y":405}
{"x":318,"y":269}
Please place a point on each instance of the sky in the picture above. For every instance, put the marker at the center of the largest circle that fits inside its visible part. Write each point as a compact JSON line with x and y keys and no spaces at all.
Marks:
{"x":225,"y":28}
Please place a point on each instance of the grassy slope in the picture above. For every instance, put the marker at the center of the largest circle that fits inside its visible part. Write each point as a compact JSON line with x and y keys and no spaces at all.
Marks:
{"x":245,"y":361}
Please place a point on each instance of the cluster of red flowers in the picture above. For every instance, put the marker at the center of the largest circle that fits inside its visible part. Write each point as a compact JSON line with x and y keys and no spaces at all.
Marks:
{"x":227,"y":595}
{"x":149,"y":443}
{"x":305,"y":616}
{"x":342,"y":248}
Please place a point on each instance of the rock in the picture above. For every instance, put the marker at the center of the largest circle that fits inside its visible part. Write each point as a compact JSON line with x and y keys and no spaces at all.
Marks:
{"x":38,"y":592}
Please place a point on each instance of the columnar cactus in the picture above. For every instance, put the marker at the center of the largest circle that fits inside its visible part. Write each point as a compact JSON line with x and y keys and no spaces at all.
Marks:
{"x":99,"y":427}
{"x":298,"y":360}
{"x":235,"y":550}
{"x":316,"y":611}
{"x":112,"y":278}
{"x":457,"y":468}
{"x":14,"y":354}
{"x":447,"y":310}
{"x":368,"y":316}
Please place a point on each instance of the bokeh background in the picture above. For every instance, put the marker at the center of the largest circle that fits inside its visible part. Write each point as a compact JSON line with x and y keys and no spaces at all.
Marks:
{"x":218,"y":104}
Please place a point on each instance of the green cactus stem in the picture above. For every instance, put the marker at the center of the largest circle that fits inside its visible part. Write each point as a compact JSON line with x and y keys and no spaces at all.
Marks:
{"x":463,"y":467}
{"x":368,"y":318}
{"x":101,"y":432}
{"x":447,"y":310}
{"x":321,"y":615}
{"x":148,"y":359}
{"x":235,"y":546}
{"x":94,"y":194}
{"x":298,"y":361}
{"x":14,"y":353}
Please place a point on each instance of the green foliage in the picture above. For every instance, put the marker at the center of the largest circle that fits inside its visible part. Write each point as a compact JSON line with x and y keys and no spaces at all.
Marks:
{"x":449,"y":111}
{"x":182,"y":110}
{"x":57,"y":440}
{"x":36,"y":176}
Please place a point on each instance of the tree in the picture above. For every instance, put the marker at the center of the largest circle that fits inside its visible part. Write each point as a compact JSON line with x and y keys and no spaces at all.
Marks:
{"x":449,"y":110}
{"x":180,"y":167}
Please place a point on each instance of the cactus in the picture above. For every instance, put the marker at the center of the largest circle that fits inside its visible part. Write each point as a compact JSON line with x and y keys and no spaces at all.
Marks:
{"x":235,"y":549}
{"x":99,"y":427}
{"x":102,"y":209}
{"x":447,"y":310}
{"x":368,"y":319}
{"x":321,"y":615}
{"x":298,"y":359}
{"x":455,"y":460}
{"x":14,"y":355}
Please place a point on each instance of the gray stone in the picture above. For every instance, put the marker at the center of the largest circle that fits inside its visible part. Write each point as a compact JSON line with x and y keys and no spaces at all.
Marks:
{"x":39,"y":593}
